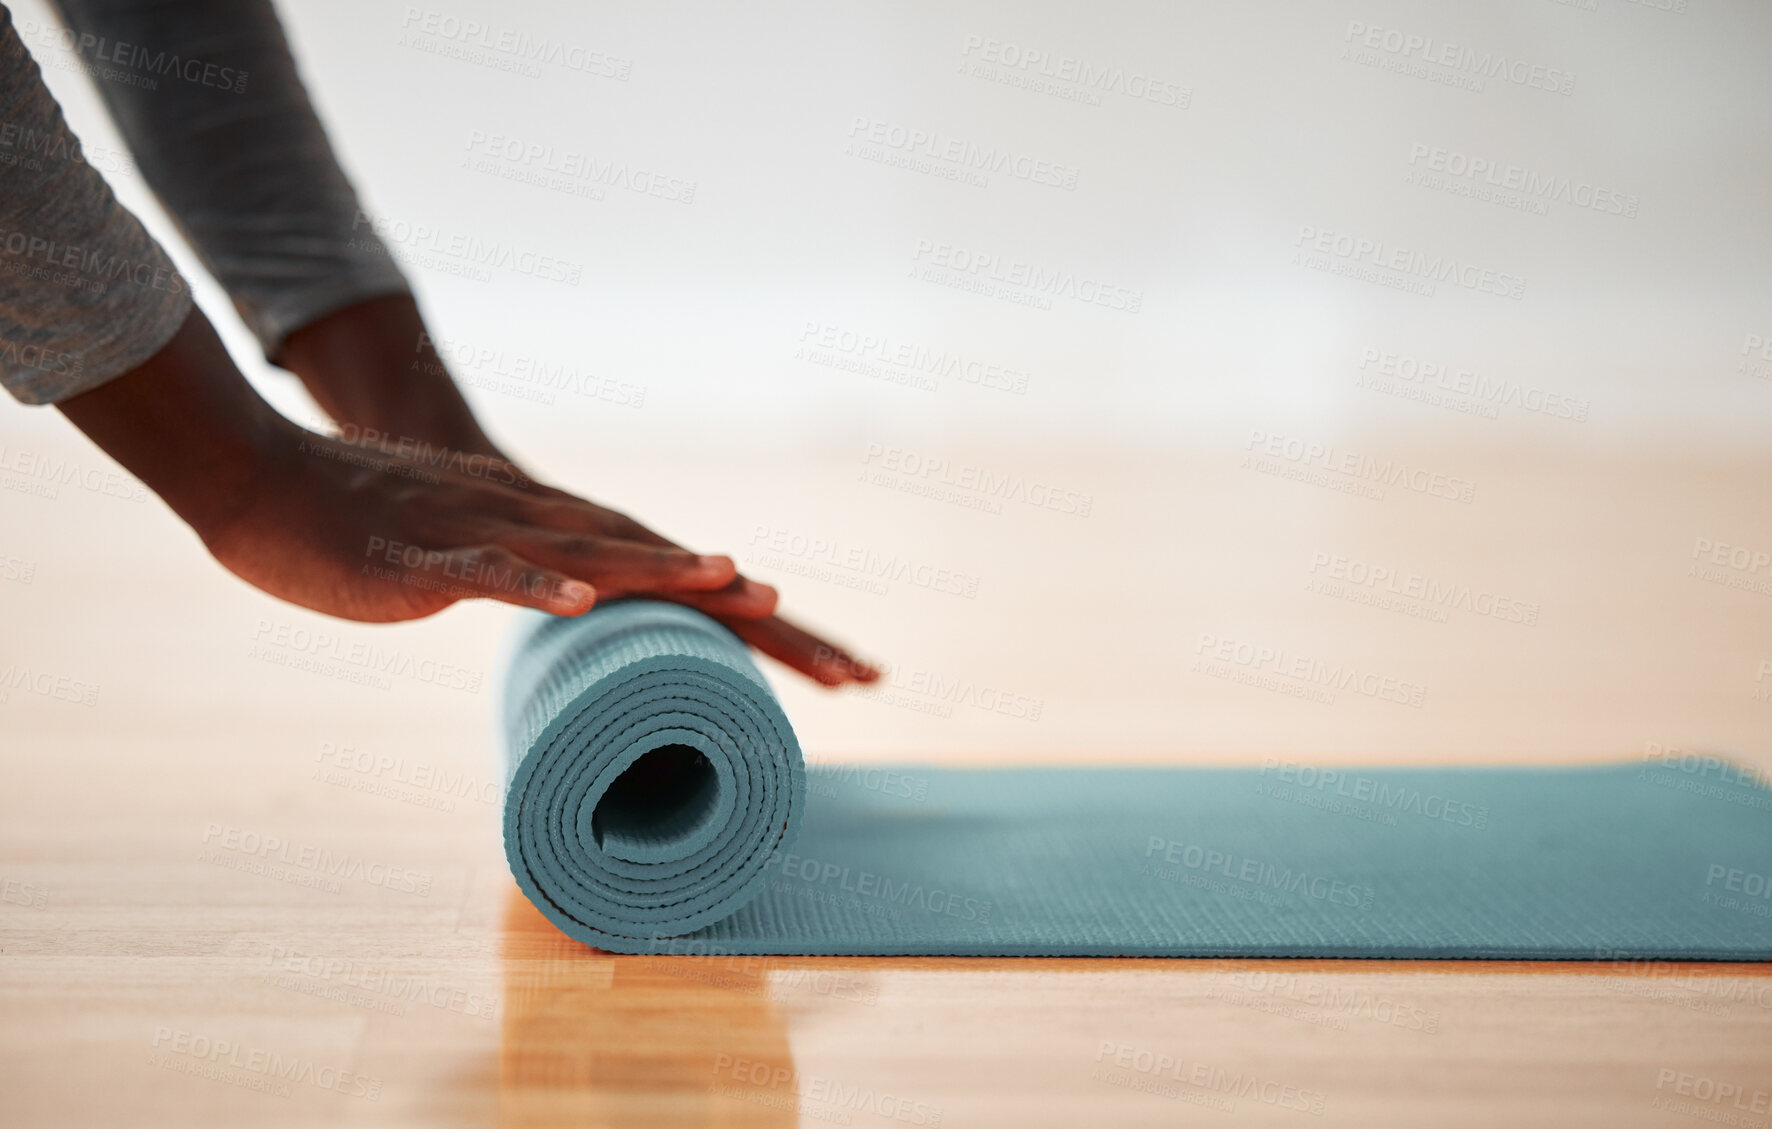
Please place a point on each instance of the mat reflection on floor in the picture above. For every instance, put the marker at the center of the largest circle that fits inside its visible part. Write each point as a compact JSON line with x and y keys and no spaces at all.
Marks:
{"x":592,"y":1039}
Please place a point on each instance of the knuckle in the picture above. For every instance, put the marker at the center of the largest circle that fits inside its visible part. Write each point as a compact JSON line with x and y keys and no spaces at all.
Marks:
{"x":580,"y":546}
{"x":494,"y":556}
{"x":623,"y":526}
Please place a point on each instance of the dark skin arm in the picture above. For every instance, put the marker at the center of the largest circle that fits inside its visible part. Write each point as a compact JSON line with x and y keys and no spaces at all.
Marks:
{"x":372,"y":365}
{"x":377,"y":537}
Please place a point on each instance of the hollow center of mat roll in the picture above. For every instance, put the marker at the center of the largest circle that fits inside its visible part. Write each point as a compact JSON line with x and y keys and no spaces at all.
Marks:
{"x":663,"y":798}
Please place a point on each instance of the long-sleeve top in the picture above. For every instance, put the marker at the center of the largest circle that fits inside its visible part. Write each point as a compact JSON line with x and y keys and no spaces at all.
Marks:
{"x":207,"y":96}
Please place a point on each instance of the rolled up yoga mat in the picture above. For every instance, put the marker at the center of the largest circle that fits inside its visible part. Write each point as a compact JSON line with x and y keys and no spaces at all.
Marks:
{"x":657,"y":801}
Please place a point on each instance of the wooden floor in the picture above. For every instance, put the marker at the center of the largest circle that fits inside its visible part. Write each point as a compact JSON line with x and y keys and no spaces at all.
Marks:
{"x":170,"y":954}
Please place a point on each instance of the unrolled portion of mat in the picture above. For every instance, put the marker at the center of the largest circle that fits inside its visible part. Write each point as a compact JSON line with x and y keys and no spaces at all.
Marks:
{"x":657,"y":802}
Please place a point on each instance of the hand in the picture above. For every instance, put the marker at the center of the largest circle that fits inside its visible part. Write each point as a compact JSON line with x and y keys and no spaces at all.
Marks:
{"x":378,"y":538}
{"x":374,"y":536}
{"x":374,"y":368}
{"x":743,"y":605}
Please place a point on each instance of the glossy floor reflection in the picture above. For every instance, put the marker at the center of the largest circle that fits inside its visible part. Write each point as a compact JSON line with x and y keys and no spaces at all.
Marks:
{"x":594,"y":1039}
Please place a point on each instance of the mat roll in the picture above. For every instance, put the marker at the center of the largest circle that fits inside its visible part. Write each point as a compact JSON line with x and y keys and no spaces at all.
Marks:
{"x":657,"y":802}
{"x":652,"y":775}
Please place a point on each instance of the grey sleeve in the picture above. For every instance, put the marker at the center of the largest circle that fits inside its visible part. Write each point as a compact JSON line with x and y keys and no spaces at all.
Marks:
{"x":86,"y":293}
{"x":207,"y":95}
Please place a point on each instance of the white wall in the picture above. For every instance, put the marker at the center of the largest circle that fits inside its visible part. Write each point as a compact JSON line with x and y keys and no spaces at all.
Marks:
{"x":1197,"y":208}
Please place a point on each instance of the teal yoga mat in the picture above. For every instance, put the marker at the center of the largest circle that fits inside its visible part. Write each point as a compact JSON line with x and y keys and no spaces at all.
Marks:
{"x":657,"y":801}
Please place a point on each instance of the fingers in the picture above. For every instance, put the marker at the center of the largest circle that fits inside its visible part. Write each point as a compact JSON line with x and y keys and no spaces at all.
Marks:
{"x":496,"y":573}
{"x":744,"y":598}
{"x":589,"y":522}
{"x":566,"y":513}
{"x":622,"y":557}
{"x":818,"y":659}
{"x":622,"y":568}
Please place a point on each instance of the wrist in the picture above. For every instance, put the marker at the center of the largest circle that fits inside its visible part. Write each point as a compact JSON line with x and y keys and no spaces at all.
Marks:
{"x":188,"y":425}
{"x":374,"y":368}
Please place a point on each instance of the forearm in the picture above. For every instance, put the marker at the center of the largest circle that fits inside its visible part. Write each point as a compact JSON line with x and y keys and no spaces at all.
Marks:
{"x":188,"y":425}
{"x":237,"y":155}
{"x":230,"y":143}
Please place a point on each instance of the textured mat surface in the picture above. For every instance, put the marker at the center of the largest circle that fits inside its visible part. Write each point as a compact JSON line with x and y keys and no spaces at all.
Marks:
{"x":657,"y":802}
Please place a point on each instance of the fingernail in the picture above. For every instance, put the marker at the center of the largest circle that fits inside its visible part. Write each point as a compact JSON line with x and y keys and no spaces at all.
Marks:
{"x":575,"y":592}
{"x":715,"y":563}
{"x":849,"y":667}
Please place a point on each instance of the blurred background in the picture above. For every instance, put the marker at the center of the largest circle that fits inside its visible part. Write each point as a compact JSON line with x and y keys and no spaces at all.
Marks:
{"x":1365,"y":381}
